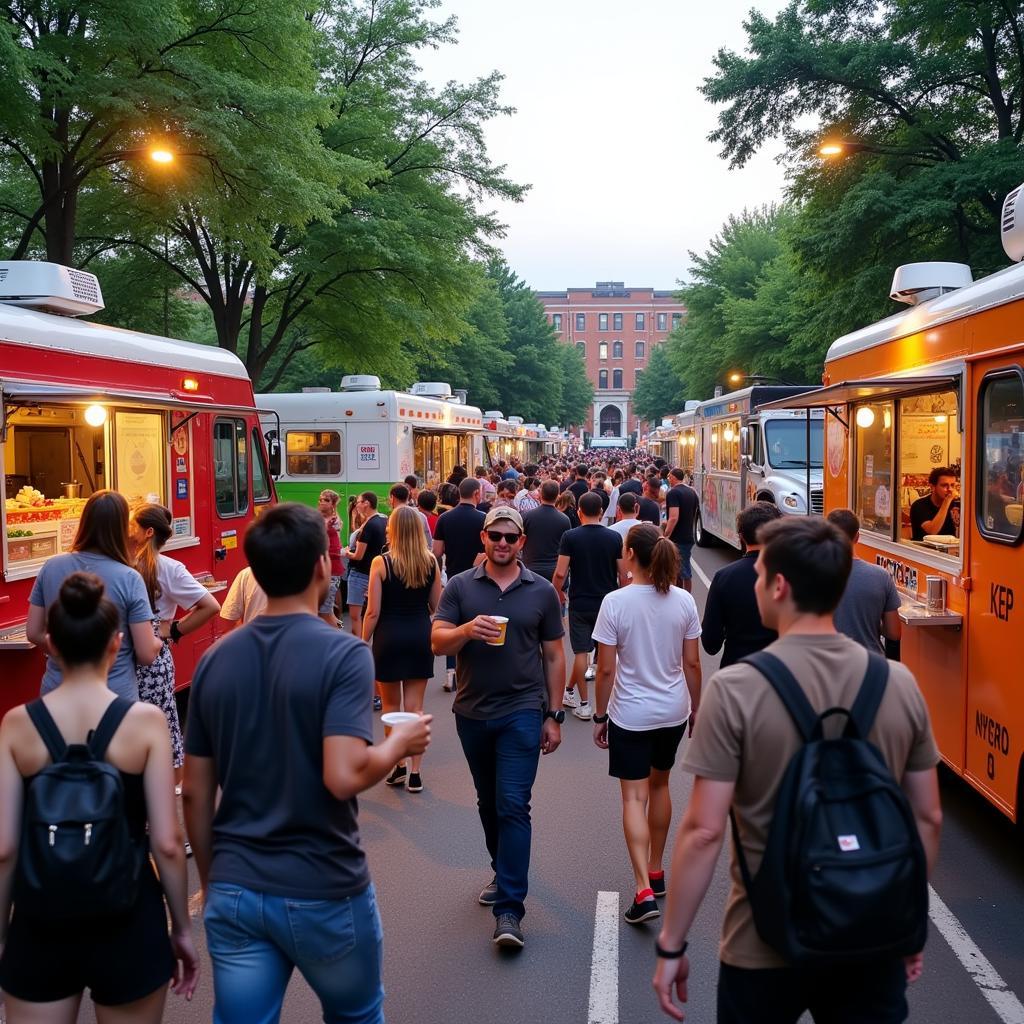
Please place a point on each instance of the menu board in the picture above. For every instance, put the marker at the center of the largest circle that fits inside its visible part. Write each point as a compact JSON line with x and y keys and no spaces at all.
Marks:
{"x":924,"y":443}
{"x":138,"y":447}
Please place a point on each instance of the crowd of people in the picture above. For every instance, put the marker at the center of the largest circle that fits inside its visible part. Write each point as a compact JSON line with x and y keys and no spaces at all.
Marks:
{"x":491,"y":570}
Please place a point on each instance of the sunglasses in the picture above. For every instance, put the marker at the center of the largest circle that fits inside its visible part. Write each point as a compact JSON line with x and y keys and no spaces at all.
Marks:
{"x":497,"y":537}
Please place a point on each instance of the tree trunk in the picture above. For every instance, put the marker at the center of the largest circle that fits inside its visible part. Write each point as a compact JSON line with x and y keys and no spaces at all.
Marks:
{"x":61,"y":205}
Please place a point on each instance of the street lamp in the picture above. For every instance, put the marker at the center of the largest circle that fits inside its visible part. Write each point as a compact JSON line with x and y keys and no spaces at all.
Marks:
{"x":759,"y":378}
{"x":836,"y":148}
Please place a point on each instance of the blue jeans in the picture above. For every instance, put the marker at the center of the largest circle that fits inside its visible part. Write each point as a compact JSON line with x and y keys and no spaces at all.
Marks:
{"x":503,"y":755}
{"x":256,"y":940}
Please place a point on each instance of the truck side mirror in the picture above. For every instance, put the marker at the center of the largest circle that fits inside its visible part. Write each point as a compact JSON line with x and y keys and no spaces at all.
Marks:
{"x":274,"y":456}
{"x":745,"y":441}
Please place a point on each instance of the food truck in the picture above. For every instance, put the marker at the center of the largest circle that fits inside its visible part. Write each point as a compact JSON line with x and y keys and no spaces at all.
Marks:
{"x":85,"y":407}
{"x":941,"y":386}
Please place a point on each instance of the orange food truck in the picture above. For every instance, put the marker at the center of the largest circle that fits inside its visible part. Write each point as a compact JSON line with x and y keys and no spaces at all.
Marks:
{"x":84,"y":407}
{"x":941,"y":386}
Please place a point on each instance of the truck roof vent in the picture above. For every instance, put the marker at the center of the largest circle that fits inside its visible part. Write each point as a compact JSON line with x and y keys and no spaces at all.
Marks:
{"x":431,"y":389}
{"x":914,"y":283}
{"x":316,"y":391}
{"x":517,"y":420}
{"x":49,"y":287}
{"x":360,"y":382}
{"x":1012,"y":225}
{"x":494,"y":414}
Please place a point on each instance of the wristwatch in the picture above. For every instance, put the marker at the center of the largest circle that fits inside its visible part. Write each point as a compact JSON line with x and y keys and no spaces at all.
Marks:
{"x":600,"y":719}
{"x":670,"y":954}
{"x":174,"y":632}
{"x":558,"y":716}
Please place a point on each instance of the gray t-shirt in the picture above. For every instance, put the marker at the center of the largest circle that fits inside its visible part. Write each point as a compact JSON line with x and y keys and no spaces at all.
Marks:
{"x":262,"y":701}
{"x":869,"y":593}
{"x":124,"y":586}
{"x":495,"y":681}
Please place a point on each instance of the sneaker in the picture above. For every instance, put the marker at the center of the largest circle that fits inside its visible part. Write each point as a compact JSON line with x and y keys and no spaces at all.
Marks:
{"x":188,"y":849}
{"x":377,"y":706}
{"x":584,"y":711}
{"x":591,"y":673}
{"x":415,"y":783}
{"x":489,"y":894}
{"x":177,"y":789}
{"x":644,"y":908}
{"x":449,"y":680}
{"x":507,"y":933}
{"x":397,"y":776}
{"x":570,"y":699}
{"x":658,"y":885}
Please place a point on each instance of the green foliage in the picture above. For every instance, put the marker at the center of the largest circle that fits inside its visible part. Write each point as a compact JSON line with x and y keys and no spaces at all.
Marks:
{"x":660,"y":391}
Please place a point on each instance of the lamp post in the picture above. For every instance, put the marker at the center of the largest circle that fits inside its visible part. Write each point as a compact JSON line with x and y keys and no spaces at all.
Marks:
{"x":759,"y":378}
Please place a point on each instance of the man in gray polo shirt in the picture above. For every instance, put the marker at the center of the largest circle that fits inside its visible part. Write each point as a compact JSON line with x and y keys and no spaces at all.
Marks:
{"x":508,"y":704}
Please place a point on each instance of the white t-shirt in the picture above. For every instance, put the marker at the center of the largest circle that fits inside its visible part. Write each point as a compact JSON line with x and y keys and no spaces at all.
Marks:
{"x":245,"y":599}
{"x":178,"y":588}
{"x":648,"y":629}
{"x":623,"y":526}
{"x":613,"y":504}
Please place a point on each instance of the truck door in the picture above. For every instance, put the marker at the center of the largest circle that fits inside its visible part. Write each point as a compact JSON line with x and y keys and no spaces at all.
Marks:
{"x":233,"y":497}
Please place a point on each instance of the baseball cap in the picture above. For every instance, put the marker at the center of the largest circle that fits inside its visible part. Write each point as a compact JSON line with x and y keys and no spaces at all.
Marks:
{"x":504,"y":512}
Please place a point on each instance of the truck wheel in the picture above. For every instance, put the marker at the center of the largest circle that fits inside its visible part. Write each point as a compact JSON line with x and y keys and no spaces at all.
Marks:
{"x":700,"y":535}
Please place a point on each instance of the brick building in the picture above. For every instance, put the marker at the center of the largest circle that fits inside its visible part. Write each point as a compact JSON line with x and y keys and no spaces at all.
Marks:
{"x":615,"y":328}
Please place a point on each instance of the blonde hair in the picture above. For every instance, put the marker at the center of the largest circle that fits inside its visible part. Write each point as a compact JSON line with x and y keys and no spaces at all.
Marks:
{"x":332,"y":496}
{"x":410,"y":557}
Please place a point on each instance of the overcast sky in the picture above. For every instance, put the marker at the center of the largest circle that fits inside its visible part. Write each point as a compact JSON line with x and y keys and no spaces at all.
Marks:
{"x":610,"y":131}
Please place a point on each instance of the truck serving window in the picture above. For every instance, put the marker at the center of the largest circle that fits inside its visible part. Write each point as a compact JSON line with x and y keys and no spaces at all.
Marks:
{"x":873,"y":423}
{"x":231,"y":466}
{"x":313,"y":452}
{"x":1000,"y":457}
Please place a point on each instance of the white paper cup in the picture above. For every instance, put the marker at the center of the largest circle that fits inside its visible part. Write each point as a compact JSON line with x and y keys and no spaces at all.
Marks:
{"x":399,"y":717}
{"x":502,"y":622}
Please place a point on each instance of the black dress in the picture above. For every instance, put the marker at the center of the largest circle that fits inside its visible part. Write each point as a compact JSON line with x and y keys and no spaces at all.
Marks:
{"x":401,"y":638}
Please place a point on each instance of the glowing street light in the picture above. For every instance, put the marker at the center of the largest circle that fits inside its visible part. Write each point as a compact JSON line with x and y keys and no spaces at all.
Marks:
{"x":160,"y":155}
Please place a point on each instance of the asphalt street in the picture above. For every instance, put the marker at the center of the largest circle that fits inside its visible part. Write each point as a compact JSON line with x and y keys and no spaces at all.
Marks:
{"x":428,"y":862}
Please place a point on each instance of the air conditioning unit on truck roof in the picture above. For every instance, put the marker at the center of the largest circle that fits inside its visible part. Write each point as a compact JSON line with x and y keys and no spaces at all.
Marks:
{"x":49,"y":287}
{"x":431,"y":389}
{"x":360,"y":382}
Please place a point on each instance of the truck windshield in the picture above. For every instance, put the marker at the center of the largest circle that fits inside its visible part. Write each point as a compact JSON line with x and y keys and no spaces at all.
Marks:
{"x":786,"y":442}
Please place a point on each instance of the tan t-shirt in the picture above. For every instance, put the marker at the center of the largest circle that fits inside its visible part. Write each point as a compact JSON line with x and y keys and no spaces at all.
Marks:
{"x":744,"y":734}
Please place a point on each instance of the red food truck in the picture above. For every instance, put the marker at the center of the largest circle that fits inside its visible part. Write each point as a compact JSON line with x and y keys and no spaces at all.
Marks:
{"x":85,"y":407}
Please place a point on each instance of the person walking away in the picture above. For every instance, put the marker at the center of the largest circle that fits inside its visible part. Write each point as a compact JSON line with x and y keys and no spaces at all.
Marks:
{"x":581,"y":484}
{"x":370,"y":543}
{"x":447,"y":498}
{"x":544,"y":527}
{"x":327,"y":505}
{"x":650,"y":502}
{"x":739,"y":753}
{"x":591,"y":557}
{"x":400,"y":496}
{"x":597,"y":486}
{"x":628,"y":506}
{"x":125,"y":959}
{"x":870,"y":606}
{"x":648,"y":688}
{"x":731,"y":615}
{"x":280,"y":724}
{"x":100,"y":547}
{"x":457,"y":541}
{"x":681,"y":504}
{"x":566,"y":504}
{"x":426,"y":502}
{"x":244,"y":600}
{"x":508,"y":709}
{"x":405,"y":586}
{"x":170,"y":586}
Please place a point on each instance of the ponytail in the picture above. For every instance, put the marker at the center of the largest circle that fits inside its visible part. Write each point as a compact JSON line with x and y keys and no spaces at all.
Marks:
{"x":657,"y":555}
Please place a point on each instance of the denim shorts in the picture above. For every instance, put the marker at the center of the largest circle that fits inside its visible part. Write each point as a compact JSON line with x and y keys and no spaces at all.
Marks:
{"x":685,"y":568}
{"x":332,"y":592}
{"x":358,"y":585}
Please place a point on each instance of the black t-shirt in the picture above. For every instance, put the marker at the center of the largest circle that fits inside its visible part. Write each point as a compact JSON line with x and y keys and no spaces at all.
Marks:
{"x":262,"y":701}
{"x":649,"y":511}
{"x":922,"y":511}
{"x":593,"y":552}
{"x":374,"y":534}
{"x":631,"y":486}
{"x":579,"y":488}
{"x":544,"y":528}
{"x":603,"y":495}
{"x":685,"y":499}
{"x":460,"y":529}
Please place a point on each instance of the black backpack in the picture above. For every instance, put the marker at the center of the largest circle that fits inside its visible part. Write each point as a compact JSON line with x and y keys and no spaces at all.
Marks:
{"x":844,"y":878}
{"x":77,"y":857}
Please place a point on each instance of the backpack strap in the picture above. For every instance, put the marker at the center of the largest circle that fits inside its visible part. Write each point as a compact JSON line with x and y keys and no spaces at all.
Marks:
{"x":47,"y":729}
{"x":100,"y":737}
{"x":789,"y":690}
{"x":870,"y":694}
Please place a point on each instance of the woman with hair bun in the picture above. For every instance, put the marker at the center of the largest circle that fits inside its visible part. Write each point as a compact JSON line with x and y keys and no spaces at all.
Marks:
{"x":101,"y":547}
{"x":648,"y":688}
{"x":126,"y":960}
{"x":170,"y":586}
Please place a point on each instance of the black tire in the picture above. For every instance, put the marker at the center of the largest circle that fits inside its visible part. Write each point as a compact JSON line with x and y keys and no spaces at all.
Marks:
{"x":701,"y":536}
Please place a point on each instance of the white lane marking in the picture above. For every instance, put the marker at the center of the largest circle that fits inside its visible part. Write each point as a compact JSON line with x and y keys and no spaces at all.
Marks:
{"x":700,"y":572}
{"x":977,"y":965}
{"x":604,"y":967}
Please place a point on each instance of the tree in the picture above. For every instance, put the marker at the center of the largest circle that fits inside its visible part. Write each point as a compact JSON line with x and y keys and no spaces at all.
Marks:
{"x":660,"y":391}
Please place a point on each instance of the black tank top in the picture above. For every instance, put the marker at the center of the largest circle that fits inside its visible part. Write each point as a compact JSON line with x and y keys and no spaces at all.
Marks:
{"x":399,"y":600}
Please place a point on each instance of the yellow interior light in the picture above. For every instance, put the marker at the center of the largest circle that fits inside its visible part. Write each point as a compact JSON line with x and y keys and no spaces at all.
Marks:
{"x":95,"y":415}
{"x":728,"y":434}
{"x":887,"y":419}
{"x":865,"y":417}
{"x":190,"y":384}
{"x":941,"y":418}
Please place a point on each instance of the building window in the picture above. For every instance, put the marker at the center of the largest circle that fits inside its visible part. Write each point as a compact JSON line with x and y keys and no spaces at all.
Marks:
{"x":662,"y":321}
{"x":616,"y":321}
{"x":602,"y":321}
{"x":581,"y":321}
{"x":602,"y":379}
{"x":641,"y":350}
{"x":639,"y":321}
{"x":602,"y":350}
{"x":616,"y":378}
{"x":581,"y":347}
{"x":556,"y":321}
{"x":676,"y":319}
{"x":616,"y":350}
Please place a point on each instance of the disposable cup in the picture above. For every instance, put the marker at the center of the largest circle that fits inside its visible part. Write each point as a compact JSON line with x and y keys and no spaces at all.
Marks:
{"x":399,"y":717}
{"x":502,"y":622}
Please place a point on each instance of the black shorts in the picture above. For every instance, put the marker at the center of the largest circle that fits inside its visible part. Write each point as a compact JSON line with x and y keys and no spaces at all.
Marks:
{"x":119,"y":959}
{"x":632,"y":755}
{"x":581,"y":630}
